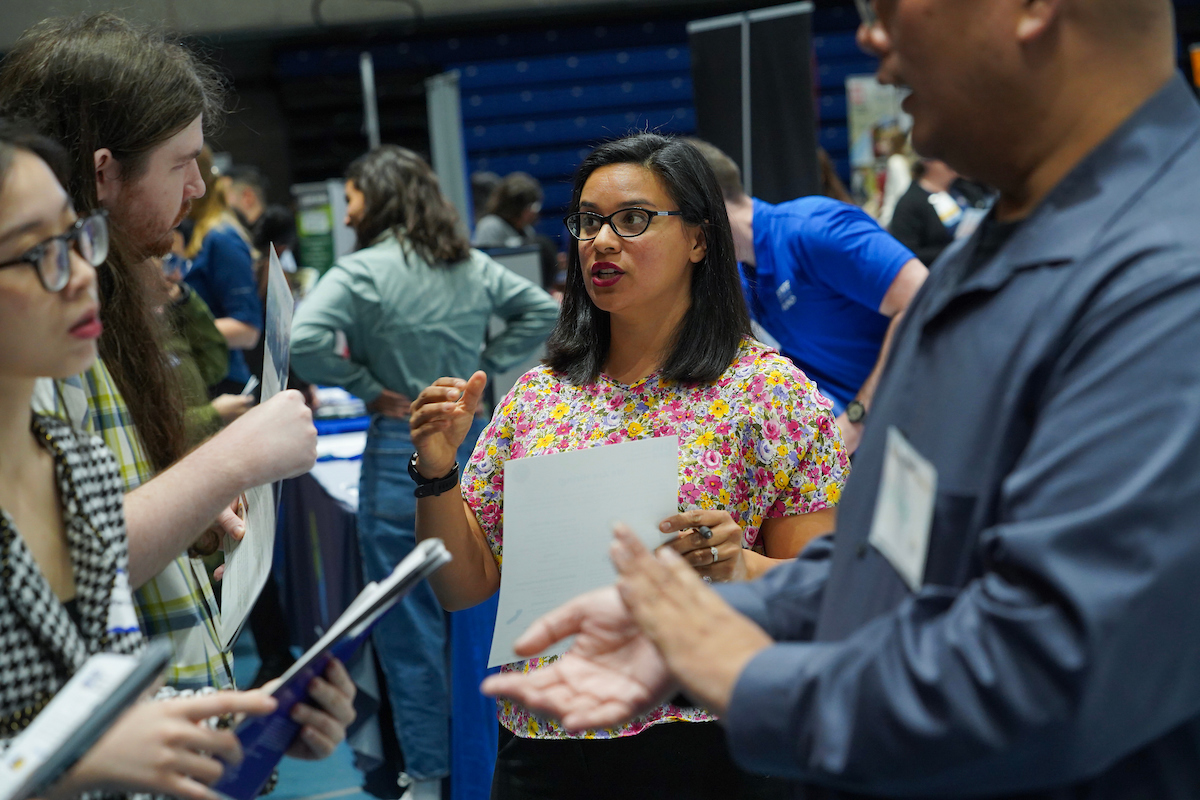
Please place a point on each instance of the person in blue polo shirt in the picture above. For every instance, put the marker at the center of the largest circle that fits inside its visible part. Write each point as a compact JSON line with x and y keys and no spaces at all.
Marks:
{"x":825,"y":281}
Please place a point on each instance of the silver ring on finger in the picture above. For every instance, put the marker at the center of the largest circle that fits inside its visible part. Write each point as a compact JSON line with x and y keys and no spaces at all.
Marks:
{"x":706,"y":578}
{"x":715,"y":555}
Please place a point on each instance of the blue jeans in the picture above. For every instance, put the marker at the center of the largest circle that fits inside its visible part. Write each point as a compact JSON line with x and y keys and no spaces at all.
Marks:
{"x":411,"y":639}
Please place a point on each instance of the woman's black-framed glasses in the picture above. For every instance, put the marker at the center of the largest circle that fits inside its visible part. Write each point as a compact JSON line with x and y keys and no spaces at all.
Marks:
{"x":625,"y":222}
{"x":52,"y":258}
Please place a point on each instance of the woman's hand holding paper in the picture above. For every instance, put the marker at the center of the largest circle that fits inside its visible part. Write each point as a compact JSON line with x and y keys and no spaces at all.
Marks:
{"x":727,"y":562}
{"x":164,"y":747}
{"x":659,"y":628}
{"x":325,"y":719}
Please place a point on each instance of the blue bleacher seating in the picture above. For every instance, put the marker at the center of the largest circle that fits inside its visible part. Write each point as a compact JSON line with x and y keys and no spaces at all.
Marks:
{"x":537,"y":100}
{"x":542,"y":115}
{"x":589,"y":67}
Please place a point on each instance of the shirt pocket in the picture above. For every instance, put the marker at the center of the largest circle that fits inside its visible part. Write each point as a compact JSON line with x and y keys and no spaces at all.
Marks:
{"x":953,"y":557}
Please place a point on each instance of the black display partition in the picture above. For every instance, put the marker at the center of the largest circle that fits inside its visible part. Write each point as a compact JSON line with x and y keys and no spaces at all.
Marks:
{"x":716,"y":50}
{"x":765,"y":56}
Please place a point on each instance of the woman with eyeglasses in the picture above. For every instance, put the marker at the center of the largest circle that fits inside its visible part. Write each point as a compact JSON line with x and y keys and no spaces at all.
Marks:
{"x":653,"y":340}
{"x":414,"y":302}
{"x":65,"y":594}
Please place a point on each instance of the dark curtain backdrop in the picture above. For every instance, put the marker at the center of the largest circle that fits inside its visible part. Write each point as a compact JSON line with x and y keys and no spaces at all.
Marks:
{"x":783,"y":124}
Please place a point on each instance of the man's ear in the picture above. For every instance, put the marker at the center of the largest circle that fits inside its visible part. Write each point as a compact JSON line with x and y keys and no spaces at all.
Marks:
{"x":108,"y":175}
{"x":1036,"y":17}
{"x":699,"y":246}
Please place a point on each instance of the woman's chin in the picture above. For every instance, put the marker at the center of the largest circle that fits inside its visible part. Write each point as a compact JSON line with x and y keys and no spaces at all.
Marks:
{"x":80,"y":360}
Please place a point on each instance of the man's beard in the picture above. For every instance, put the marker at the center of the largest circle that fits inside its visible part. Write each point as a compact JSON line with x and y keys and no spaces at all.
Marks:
{"x":138,"y":237}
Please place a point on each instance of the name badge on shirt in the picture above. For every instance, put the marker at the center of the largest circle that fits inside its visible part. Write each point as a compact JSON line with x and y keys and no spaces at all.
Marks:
{"x":947,"y":208}
{"x":904,"y":509}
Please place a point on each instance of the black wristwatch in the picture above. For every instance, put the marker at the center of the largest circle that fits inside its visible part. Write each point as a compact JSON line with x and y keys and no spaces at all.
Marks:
{"x":856,"y":412}
{"x":431,"y":487}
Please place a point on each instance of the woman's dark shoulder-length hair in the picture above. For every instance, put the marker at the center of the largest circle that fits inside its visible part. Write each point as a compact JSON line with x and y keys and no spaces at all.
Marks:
{"x":517,"y":192}
{"x":401,"y":192}
{"x":714,"y":326}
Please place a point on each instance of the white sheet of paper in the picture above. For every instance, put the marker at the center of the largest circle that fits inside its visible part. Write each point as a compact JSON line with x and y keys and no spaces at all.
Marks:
{"x":559,"y":512}
{"x":277,"y":349}
{"x":904,"y":509}
{"x":248,"y":562}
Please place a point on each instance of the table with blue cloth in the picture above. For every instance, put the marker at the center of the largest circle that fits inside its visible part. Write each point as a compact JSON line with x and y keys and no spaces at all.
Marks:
{"x":320,"y":571}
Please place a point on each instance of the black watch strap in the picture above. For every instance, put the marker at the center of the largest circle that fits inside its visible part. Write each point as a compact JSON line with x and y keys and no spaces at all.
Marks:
{"x":431,"y":487}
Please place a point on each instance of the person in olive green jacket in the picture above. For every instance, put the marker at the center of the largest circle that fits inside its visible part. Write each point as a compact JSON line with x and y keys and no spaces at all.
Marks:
{"x":199,"y":356}
{"x":414,"y":303}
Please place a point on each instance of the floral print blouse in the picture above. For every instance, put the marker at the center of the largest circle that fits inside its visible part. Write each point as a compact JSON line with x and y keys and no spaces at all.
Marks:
{"x":760,"y":442}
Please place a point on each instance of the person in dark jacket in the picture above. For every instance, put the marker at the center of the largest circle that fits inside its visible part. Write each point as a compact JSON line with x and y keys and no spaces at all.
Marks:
{"x":939,"y":206}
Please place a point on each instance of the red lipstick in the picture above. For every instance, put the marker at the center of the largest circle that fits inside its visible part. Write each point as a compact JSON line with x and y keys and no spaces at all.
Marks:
{"x":605,"y":274}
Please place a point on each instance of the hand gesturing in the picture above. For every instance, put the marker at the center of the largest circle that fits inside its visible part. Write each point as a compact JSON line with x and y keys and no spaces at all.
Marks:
{"x":612,"y":672}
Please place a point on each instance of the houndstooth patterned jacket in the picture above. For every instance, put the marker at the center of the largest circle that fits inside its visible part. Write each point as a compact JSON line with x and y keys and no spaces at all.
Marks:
{"x":40,"y":645}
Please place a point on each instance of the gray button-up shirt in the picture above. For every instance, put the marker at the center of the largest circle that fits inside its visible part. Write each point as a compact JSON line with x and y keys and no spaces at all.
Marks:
{"x":1054,"y":649}
{"x":408,"y":322}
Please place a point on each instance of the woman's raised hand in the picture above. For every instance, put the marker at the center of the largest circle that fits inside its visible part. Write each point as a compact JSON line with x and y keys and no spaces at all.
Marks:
{"x":441,"y":418}
{"x":711,"y":542}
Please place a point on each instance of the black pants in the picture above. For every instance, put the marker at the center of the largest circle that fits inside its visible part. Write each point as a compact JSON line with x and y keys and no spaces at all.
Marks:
{"x":686,"y":760}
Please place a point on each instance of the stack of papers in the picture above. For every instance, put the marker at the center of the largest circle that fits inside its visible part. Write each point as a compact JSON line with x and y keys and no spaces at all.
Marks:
{"x":341,"y":446}
{"x":336,"y":402}
{"x":264,"y":739}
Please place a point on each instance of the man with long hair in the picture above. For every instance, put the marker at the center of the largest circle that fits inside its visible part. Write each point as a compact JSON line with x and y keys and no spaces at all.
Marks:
{"x":130,"y":106}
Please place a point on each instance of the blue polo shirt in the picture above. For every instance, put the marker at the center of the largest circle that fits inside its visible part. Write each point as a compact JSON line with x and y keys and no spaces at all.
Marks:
{"x":822,"y":269}
{"x":223,"y":275}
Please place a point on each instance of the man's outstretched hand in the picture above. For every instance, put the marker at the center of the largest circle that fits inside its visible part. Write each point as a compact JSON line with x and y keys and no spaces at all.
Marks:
{"x":611,"y":674}
{"x":659,"y":628}
{"x":704,"y":641}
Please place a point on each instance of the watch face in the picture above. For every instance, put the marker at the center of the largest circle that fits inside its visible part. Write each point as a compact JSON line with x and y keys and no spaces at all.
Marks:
{"x":855,"y":411}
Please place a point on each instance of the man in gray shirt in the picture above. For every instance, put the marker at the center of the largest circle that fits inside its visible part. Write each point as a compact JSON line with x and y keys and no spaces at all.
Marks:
{"x":1008,"y":606}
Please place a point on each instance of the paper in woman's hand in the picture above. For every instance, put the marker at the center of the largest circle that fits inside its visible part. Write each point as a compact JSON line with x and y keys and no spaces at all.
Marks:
{"x":559,"y":512}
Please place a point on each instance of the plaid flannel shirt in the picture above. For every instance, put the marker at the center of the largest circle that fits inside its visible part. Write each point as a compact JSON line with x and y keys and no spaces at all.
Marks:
{"x":179,"y":601}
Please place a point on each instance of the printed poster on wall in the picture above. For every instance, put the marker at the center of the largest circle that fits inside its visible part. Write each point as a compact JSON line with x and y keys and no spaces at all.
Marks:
{"x":879,"y":127}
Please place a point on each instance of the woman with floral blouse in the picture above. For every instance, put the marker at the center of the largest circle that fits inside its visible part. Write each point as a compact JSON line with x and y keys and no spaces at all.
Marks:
{"x":653,"y":340}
